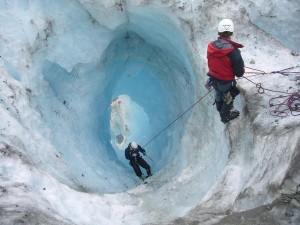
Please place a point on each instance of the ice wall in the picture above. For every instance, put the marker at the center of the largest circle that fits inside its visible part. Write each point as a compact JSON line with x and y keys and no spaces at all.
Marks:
{"x":152,"y":76}
{"x":81,"y":79}
{"x":76,"y":66}
{"x":278,"y":18}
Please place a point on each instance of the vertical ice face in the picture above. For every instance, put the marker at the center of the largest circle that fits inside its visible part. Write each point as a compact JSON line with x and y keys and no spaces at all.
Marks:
{"x":81,"y":63}
{"x":128,"y":122}
{"x":145,"y":83}
{"x":272,"y":17}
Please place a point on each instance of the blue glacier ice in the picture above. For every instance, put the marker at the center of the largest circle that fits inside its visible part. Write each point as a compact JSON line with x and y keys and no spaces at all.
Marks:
{"x":157,"y":78}
{"x":81,"y":79}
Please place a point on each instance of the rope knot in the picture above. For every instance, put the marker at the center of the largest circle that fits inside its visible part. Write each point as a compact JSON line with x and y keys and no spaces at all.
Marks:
{"x":260,"y":90}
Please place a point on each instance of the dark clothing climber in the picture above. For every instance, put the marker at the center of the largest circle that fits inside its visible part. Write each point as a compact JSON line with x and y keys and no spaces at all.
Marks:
{"x":225,"y":63}
{"x":135,"y":160}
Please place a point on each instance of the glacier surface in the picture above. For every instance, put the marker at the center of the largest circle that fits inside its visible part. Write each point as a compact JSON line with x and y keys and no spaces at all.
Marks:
{"x":80,"y":79}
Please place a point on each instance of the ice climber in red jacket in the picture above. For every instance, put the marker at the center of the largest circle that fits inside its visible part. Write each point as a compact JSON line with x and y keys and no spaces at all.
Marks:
{"x":225,"y":63}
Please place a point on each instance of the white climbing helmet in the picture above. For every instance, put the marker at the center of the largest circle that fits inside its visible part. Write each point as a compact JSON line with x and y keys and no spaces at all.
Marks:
{"x":134,"y":145}
{"x":226,"y":25}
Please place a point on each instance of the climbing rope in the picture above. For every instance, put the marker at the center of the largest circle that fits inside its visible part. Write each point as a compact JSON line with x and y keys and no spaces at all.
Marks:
{"x":261,"y":89}
{"x":290,"y":101}
{"x":284,"y":72}
{"x":159,"y":133}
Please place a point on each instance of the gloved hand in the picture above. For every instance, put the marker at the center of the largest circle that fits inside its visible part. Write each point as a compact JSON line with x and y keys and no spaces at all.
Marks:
{"x":144,"y":153}
{"x":208,"y":84}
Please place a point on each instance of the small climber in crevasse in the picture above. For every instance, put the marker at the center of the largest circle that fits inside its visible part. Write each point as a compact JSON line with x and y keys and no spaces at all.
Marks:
{"x":135,"y":160}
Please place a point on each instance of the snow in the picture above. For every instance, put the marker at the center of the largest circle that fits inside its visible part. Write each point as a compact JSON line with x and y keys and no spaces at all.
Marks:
{"x":81,"y":79}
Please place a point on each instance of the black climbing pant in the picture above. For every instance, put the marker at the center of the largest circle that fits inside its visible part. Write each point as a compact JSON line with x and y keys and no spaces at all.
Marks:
{"x":225,"y":110}
{"x":224,"y":98}
{"x":136,"y":166}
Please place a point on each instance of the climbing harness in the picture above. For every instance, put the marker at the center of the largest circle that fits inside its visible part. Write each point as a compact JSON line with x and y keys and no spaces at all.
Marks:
{"x":291,"y":101}
{"x":159,"y":133}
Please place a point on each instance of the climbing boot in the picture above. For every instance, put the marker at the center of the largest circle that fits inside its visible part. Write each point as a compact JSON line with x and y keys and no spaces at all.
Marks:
{"x":149,"y":174}
{"x":142,"y":177}
{"x":232,"y":115}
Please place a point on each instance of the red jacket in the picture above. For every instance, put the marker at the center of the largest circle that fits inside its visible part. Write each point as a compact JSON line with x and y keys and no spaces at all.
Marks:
{"x":224,"y":59}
